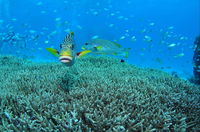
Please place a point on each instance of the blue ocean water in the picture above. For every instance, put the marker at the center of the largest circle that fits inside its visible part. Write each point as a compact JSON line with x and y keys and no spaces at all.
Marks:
{"x":169,"y":26}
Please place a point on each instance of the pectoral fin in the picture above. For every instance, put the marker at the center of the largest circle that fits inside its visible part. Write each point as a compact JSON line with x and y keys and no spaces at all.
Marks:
{"x":98,"y":48}
{"x":53,"y":51}
{"x":83,"y":53}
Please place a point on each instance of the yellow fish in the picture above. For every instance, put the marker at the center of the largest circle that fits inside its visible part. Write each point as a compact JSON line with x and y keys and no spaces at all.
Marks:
{"x":67,"y":54}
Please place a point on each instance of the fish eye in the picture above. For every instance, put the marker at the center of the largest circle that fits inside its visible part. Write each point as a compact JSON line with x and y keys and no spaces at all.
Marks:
{"x":86,"y":43}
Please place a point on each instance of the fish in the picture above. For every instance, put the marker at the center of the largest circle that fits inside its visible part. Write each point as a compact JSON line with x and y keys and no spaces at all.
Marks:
{"x":14,"y":39}
{"x":105,"y":47}
{"x":133,"y":38}
{"x":95,"y":37}
{"x":170,"y":28}
{"x":147,"y":38}
{"x":39,"y":3}
{"x":171,"y":45}
{"x":122,"y":37}
{"x":68,"y":54}
{"x":111,"y":25}
{"x":151,"y":24}
{"x":179,"y":55}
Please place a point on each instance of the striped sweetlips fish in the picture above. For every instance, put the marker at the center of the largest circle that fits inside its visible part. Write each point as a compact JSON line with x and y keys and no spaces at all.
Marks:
{"x":67,"y":54}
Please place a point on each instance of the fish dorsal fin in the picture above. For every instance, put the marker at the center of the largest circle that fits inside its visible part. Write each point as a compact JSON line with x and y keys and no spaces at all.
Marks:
{"x":53,"y":51}
{"x":68,"y":40}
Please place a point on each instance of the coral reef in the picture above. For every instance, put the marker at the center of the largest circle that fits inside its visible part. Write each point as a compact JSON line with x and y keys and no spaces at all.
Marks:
{"x":97,"y":94}
{"x":196,"y":60}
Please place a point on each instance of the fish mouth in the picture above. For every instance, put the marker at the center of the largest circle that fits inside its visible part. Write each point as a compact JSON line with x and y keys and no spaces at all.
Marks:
{"x":65,"y":59}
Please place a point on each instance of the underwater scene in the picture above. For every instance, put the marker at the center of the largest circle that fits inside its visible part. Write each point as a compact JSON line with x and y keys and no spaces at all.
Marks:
{"x":99,"y":65}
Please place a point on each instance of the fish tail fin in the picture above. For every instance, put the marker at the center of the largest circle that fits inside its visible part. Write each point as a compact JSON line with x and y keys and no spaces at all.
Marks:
{"x":126,"y":52}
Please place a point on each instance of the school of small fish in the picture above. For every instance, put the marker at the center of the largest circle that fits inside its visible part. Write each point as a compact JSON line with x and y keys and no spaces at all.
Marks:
{"x":144,"y":39}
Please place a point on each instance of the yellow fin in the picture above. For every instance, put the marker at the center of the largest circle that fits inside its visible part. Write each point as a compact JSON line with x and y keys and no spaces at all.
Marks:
{"x":127,"y":52}
{"x":83,"y":53}
{"x":53,"y":51}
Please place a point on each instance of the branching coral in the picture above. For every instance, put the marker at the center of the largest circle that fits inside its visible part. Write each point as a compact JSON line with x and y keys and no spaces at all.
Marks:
{"x":96,"y":94}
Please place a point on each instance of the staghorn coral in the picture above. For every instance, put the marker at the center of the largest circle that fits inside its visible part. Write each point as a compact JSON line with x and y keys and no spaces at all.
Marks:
{"x":96,"y":94}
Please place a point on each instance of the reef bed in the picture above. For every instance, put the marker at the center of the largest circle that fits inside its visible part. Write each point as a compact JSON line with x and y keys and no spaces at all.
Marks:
{"x":96,"y":94}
